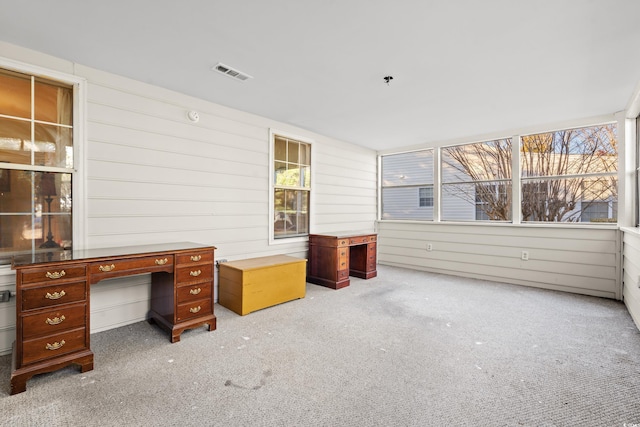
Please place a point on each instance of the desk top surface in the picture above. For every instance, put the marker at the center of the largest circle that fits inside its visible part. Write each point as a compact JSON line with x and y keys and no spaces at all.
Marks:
{"x":346,"y":235}
{"x":45,"y":256}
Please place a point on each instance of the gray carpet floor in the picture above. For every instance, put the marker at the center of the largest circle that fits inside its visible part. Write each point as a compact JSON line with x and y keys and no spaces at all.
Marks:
{"x":407,"y":348}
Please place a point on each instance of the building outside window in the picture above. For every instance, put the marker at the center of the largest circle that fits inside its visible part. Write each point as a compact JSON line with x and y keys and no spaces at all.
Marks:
{"x":570,"y":175}
{"x":476,"y":181}
{"x":36,"y":164}
{"x":565,"y":176}
{"x":407,"y":185}
{"x":291,"y":187}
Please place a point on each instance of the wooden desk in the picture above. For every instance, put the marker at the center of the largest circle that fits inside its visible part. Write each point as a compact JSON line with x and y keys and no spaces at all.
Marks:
{"x":52,"y":299}
{"x":333,"y":258}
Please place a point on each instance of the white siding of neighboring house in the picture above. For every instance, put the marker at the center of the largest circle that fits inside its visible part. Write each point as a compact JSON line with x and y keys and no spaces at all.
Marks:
{"x":153,"y":176}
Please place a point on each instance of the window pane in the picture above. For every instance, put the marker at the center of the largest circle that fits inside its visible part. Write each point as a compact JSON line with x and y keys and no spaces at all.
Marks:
{"x":27,"y":201}
{"x":305,"y":154}
{"x":293,"y":154}
{"x":291,"y":213}
{"x":53,"y":103}
{"x":280,"y":149}
{"x":15,"y":94}
{"x":403,"y":203}
{"x":51,"y":146}
{"x":570,"y":152}
{"x":567,"y":200}
{"x":413,"y":168}
{"x":15,"y":141}
{"x":482,"y":161}
{"x":480,"y":201}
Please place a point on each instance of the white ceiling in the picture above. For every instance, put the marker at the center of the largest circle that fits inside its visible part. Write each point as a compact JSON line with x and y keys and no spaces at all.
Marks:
{"x":460,"y":68}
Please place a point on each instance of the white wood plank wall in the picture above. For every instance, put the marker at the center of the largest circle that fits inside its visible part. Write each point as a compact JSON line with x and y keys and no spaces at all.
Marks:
{"x":580,"y":260}
{"x":631,"y":267}
{"x":153,"y":176}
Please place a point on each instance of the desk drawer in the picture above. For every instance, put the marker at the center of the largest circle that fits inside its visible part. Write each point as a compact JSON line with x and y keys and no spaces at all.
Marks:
{"x":54,"y":321}
{"x":53,"y":274}
{"x":129,"y":266}
{"x":193,"y":273}
{"x":46,"y":296}
{"x":53,"y":345}
{"x":194,"y":292}
{"x":194,"y":309}
{"x":194,"y":257}
{"x":361,"y":240}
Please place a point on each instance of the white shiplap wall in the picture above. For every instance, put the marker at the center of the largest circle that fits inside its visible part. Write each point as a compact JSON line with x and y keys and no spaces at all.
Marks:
{"x":153,"y":176}
{"x":631,"y":267}
{"x":573,"y":259}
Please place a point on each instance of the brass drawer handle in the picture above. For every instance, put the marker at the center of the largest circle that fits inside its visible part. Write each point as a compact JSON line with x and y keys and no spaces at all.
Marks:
{"x":195,"y":309}
{"x":105,"y":268}
{"x":55,"y":345}
{"x":55,"y":320}
{"x":196,"y":258}
{"x":195,"y":291}
{"x":55,"y":295}
{"x":195,"y":273}
{"x":55,"y":274}
{"x":162,"y":261}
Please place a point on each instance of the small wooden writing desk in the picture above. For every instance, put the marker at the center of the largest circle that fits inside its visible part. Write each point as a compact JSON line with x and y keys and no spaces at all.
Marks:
{"x":52,"y":299}
{"x":333,"y":258}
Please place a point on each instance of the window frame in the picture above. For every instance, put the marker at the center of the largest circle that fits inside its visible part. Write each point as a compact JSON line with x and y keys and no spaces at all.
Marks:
{"x":516,"y":209}
{"x":273,"y":133}
{"x":78,"y":182}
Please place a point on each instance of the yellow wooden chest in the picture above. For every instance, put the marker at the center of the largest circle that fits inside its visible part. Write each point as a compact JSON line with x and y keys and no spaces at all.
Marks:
{"x":253,"y":284}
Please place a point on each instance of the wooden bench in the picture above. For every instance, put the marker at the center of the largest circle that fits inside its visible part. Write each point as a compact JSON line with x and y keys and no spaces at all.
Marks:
{"x":256,"y":283}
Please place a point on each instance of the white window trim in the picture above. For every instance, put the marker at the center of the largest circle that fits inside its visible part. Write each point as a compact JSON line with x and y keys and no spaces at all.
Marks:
{"x":270,"y":184}
{"x":632,"y":111}
{"x":79,"y":142}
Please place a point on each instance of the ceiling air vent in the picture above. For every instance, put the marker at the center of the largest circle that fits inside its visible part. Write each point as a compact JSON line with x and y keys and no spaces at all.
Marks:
{"x":231,"y":72}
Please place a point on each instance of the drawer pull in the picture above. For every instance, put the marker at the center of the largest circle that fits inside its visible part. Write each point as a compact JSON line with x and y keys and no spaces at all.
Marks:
{"x":55,"y":274}
{"x":55,"y":320}
{"x":196,"y":258}
{"x":162,"y":261}
{"x":195,"y":291}
{"x":195,"y":273}
{"x":55,"y":295}
{"x":55,"y":345}
{"x":195,"y":309}
{"x":105,"y":268}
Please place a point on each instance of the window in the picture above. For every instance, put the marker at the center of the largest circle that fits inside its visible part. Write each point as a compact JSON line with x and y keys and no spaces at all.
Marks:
{"x":407,"y":185}
{"x":291,"y":187}
{"x":570,"y":175}
{"x":565,"y":176}
{"x":476,"y":181}
{"x":425,"y":197}
{"x":36,"y":164}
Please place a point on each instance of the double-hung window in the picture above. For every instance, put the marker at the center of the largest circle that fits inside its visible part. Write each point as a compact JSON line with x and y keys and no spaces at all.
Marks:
{"x":36,"y":164}
{"x":291,"y":187}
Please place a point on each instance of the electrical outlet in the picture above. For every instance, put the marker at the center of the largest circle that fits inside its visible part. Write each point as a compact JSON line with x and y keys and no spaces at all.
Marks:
{"x":429,"y":247}
{"x":525,"y":256}
{"x":5,"y":296}
{"x":218,"y":262}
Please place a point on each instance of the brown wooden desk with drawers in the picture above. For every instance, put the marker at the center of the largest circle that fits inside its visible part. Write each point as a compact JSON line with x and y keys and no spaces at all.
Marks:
{"x":52,"y":299}
{"x":333,"y":258}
